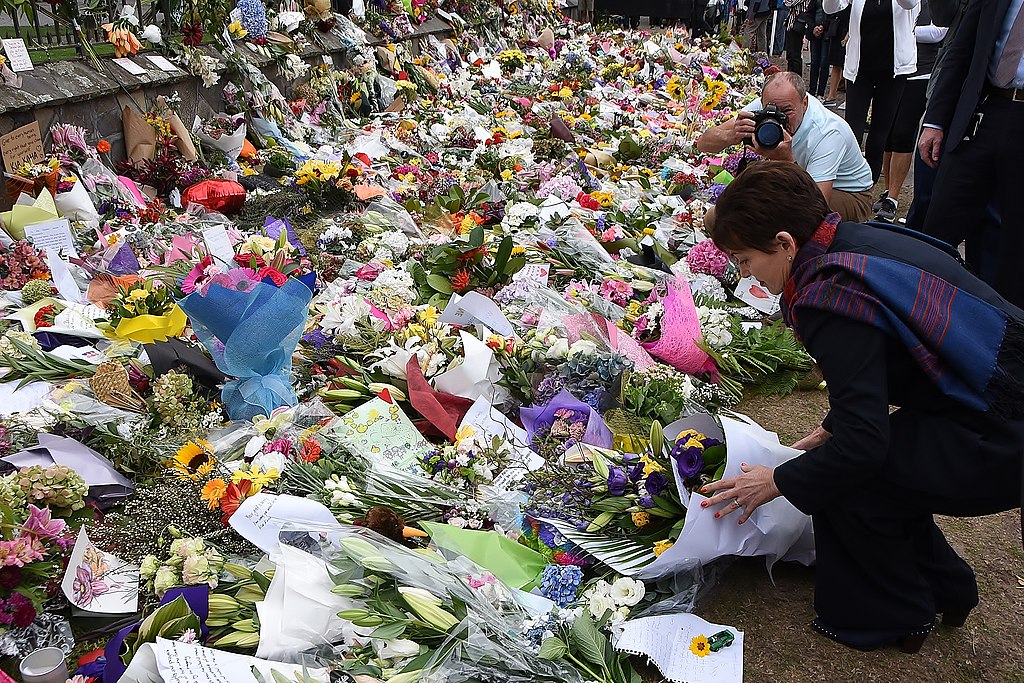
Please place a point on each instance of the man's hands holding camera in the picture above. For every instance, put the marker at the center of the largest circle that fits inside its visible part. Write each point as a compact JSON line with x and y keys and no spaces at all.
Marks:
{"x":742,"y":128}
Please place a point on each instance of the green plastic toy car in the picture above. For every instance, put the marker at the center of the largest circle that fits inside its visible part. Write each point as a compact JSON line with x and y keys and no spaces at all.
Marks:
{"x":720,"y":640}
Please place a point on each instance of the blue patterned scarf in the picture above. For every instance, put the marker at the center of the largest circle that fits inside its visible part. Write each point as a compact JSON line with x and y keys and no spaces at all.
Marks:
{"x":972,"y":351}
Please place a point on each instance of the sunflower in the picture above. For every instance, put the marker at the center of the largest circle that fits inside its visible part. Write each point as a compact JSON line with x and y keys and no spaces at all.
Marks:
{"x":674,"y":87}
{"x":193,"y":461}
{"x":699,"y":646}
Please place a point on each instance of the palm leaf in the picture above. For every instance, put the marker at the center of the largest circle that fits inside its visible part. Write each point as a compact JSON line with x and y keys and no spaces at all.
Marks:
{"x":624,"y":555}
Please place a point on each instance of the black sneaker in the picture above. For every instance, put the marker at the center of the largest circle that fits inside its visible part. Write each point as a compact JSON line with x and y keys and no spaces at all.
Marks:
{"x":886,"y":211}
{"x":878,"y":205}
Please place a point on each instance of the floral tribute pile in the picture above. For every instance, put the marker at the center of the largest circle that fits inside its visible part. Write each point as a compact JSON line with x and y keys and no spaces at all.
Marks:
{"x":446,"y":379}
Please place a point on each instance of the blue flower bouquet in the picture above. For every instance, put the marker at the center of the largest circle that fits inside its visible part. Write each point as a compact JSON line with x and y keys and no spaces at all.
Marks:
{"x":251,"y":330}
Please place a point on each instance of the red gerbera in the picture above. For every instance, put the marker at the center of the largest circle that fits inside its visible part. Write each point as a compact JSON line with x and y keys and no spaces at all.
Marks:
{"x":233,"y":497}
{"x":44,"y":317}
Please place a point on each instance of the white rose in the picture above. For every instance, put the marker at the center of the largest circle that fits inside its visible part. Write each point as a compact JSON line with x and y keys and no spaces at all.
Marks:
{"x":559,"y":349}
{"x":272,"y":460}
{"x":582,"y":346}
{"x":599,"y":604}
{"x":628,"y":592}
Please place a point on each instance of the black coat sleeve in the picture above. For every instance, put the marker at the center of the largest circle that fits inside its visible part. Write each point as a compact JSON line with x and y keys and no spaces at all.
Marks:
{"x":956,"y":64}
{"x":943,"y":11}
{"x":852,"y":358}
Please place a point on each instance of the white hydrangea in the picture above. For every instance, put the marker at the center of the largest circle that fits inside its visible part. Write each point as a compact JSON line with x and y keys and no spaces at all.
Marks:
{"x":394,"y":242}
{"x":399,"y":281}
{"x":707,"y":285}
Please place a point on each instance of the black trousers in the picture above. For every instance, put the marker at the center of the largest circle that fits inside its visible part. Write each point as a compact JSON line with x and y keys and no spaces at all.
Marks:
{"x":880,"y":93}
{"x":977,"y":173}
{"x":883,"y":568}
{"x":794,"y":50}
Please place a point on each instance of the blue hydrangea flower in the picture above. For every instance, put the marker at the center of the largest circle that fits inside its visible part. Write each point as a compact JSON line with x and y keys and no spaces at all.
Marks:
{"x":560,"y":583}
{"x":254,"y":18}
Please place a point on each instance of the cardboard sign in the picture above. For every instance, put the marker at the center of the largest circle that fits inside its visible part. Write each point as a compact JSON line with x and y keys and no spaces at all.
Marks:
{"x":21,"y":145}
{"x":17,"y":55}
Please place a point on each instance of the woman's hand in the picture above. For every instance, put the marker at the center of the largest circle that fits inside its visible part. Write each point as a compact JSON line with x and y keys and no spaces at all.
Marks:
{"x":750,"y":490}
{"x":813,"y":440}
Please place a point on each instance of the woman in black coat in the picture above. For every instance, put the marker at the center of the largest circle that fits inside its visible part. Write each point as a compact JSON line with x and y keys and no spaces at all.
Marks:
{"x":892,"y":320}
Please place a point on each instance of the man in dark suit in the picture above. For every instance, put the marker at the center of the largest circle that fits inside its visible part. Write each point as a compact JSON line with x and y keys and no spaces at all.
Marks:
{"x":973,"y":124}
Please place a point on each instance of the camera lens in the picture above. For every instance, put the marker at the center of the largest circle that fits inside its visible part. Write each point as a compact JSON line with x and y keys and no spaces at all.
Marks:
{"x":768,"y":133}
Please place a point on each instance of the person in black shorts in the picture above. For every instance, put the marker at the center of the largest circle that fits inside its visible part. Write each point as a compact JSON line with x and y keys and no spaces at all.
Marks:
{"x":902,"y":143}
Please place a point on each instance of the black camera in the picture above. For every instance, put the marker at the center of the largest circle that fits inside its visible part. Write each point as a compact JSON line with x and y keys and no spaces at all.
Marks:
{"x":769,"y":127}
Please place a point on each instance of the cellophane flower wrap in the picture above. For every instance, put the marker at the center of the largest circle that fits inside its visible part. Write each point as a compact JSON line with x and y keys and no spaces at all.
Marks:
{"x":252,"y":336}
{"x":680,"y":331}
{"x":538,"y":419}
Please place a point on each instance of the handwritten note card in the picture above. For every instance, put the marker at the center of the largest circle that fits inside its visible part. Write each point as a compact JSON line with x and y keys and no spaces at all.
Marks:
{"x":666,"y":641}
{"x":21,"y":145}
{"x":53,"y":237}
{"x":17,"y":54}
{"x":260,"y":518}
{"x":218,"y":244}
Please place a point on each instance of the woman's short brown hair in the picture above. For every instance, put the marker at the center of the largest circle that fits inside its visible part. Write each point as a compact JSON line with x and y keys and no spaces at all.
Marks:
{"x":767,"y":198}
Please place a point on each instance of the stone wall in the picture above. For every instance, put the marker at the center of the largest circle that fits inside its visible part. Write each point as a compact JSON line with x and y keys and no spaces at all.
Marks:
{"x":74,"y":92}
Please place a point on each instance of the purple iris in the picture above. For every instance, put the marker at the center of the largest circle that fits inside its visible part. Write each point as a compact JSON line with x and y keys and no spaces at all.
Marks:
{"x":646,"y":502}
{"x":617,"y":481}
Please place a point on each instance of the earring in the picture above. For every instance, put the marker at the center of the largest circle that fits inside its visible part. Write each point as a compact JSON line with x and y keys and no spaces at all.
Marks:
{"x":789,"y":258}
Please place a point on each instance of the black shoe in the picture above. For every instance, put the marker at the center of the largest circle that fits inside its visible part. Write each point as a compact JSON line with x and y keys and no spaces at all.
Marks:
{"x":878,"y":205}
{"x":867,"y":641}
{"x":955,"y":618}
{"x":886,"y":210}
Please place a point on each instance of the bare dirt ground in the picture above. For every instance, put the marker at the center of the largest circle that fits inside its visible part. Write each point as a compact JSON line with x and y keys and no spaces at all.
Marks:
{"x":779,"y":647}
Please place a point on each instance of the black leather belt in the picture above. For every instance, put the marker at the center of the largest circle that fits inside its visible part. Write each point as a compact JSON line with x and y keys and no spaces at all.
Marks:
{"x":1012,"y":94}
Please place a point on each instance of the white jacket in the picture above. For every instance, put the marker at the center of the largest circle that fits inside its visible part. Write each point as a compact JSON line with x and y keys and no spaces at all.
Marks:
{"x":904,"y":15}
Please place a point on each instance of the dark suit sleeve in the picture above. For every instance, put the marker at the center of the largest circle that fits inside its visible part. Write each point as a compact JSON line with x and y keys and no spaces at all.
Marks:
{"x":943,"y":11}
{"x":852,"y":358}
{"x":956,"y":63}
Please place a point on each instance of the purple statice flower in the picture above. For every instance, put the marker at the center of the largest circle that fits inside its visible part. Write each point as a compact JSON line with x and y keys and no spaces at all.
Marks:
{"x":317,"y":337}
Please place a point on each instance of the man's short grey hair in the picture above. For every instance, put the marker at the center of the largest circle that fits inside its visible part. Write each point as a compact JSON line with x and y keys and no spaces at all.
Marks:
{"x":794,"y":79}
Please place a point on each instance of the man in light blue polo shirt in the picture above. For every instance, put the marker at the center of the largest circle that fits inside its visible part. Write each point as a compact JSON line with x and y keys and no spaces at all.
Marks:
{"x":817,"y":139}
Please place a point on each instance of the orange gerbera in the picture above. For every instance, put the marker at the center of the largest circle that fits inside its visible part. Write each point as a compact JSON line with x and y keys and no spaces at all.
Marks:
{"x":310,"y":451}
{"x":213,"y":491}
